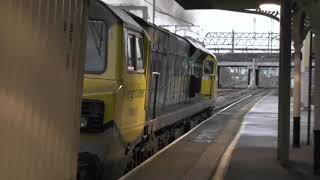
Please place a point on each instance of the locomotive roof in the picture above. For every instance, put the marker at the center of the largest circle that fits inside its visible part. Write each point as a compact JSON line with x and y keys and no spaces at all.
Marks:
{"x":197,"y":45}
{"x":190,"y":40}
{"x":123,"y":17}
{"x":147,"y":23}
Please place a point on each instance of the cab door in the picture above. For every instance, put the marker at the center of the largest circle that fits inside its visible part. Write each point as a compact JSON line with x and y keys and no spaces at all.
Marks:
{"x":134,"y":86}
{"x":208,"y":78}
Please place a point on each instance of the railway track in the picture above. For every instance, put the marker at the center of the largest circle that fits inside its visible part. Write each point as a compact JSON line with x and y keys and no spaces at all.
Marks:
{"x":226,"y":91}
{"x":237,"y":97}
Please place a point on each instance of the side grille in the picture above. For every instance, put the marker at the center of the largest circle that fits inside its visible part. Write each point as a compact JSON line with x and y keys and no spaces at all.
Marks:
{"x":93,"y":113}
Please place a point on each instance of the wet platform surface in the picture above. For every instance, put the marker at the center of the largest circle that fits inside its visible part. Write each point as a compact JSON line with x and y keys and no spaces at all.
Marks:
{"x":255,"y":154}
{"x":196,"y":155}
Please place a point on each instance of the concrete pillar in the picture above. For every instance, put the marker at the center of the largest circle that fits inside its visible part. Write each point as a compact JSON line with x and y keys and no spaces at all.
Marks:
{"x":314,"y":15}
{"x":305,"y":72}
{"x":317,"y":105}
{"x":253,"y":74}
{"x":312,"y":10}
{"x":310,"y":72}
{"x":257,"y":76}
{"x":284,"y":83}
{"x":304,"y":87}
{"x":297,"y":91}
{"x":298,"y":27}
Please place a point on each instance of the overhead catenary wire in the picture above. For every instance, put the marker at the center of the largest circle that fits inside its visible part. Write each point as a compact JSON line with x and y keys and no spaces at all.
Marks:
{"x":167,"y":14}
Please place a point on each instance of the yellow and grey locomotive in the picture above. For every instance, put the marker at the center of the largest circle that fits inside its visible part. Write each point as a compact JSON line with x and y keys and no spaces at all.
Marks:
{"x":144,"y":87}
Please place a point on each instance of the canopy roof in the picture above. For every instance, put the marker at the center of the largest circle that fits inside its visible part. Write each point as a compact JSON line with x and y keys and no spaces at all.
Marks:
{"x":224,"y":4}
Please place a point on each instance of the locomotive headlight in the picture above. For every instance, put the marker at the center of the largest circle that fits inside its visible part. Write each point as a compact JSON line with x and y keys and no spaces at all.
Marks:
{"x":92,"y":116}
{"x":83,"y":122}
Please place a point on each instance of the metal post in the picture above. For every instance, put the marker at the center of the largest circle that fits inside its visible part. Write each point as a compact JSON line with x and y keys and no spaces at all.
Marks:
{"x":249,"y":76}
{"x":284,"y":83}
{"x":268,"y":42}
{"x":254,"y":74}
{"x":232,"y":48}
{"x":317,"y":105}
{"x":154,"y":12}
{"x":271,"y":41}
{"x":310,"y":90}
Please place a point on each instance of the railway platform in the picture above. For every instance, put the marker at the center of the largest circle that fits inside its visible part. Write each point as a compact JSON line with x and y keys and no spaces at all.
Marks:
{"x":253,"y":153}
{"x":196,"y":154}
{"x":238,"y":142}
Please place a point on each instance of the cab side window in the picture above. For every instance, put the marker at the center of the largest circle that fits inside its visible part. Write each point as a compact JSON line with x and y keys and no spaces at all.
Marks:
{"x":130,"y":54}
{"x":135,"y":53}
{"x":96,"y":47}
{"x":208,"y":67}
{"x":139,"y":54}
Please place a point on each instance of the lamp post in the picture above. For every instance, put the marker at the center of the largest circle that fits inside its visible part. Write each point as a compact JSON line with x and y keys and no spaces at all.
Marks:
{"x":154,"y":12}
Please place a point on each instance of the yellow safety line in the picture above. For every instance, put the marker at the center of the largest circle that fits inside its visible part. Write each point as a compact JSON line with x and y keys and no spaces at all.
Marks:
{"x":225,"y":160}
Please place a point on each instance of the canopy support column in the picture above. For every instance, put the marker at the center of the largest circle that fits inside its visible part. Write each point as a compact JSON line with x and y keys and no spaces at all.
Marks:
{"x":284,"y":83}
{"x":317,"y":106}
{"x":298,"y":27}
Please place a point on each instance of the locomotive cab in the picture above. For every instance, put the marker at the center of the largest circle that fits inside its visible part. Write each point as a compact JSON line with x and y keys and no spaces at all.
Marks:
{"x":113,"y":100}
{"x":209,"y":77}
{"x":208,"y":69}
{"x":127,"y":115}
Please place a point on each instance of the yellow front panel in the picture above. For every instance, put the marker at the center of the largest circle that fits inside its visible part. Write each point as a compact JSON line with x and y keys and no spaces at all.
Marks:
{"x":209,"y":78}
{"x":104,"y":86}
{"x":130,"y":99}
{"x":123,"y":93}
{"x":206,"y":85}
{"x":130,"y":103}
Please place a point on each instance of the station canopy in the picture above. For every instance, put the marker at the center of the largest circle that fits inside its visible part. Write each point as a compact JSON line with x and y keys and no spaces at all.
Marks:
{"x":224,"y":4}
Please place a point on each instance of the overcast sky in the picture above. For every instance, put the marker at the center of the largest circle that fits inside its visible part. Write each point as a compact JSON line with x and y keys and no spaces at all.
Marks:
{"x":218,"y":20}
{"x":208,"y":20}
